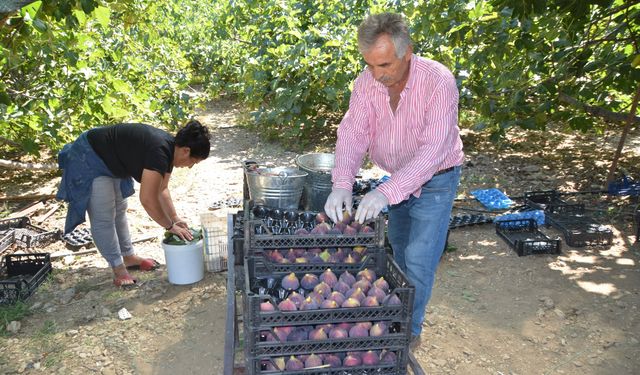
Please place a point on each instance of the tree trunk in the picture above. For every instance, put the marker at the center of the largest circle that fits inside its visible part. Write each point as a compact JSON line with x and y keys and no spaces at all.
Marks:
{"x":623,"y":136}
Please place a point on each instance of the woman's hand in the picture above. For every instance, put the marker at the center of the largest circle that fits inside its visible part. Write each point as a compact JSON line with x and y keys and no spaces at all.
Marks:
{"x":181,"y":223}
{"x":181,"y":230}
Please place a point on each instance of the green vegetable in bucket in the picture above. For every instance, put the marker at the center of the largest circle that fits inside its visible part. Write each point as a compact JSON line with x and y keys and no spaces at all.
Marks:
{"x":173,"y":239}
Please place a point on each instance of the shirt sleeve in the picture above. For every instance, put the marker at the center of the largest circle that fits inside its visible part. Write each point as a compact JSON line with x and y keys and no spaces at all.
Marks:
{"x":353,"y":141}
{"x":440,"y":120}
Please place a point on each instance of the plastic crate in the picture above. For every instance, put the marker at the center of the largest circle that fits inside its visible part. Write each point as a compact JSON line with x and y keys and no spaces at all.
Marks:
{"x":214,"y":230}
{"x":543,"y":200}
{"x":259,"y":235}
{"x":24,"y":273}
{"x":27,"y":235}
{"x":537,"y":215}
{"x":493,"y":199}
{"x":367,"y":260}
{"x":254,"y":367}
{"x":7,"y":229}
{"x":580,"y":230}
{"x":257,"y":272}
{"x":525,"y":238}
{"x":459,"y":221}
{"x":624,"y":186}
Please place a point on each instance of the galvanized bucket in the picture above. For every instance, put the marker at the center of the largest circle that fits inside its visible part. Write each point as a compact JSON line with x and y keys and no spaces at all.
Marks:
{"x":276,"y":187}
{"x":318,"y":184}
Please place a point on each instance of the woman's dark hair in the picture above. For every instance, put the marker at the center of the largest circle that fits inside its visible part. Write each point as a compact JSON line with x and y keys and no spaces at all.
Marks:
{"x":195,"y":136}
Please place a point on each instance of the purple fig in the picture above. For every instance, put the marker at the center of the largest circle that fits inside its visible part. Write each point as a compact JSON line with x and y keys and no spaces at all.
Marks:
{"x":332,"y":360}
{"x":309,"y":303}
{"x":347,"y":278}
{"x":326,"y":326}
{"x":301,"y":232}
{"x":363,"y":284}
{"x":349,"y":231}
{"x":370,"y":302}
{"x":329,"y":304}
{"x":312,"y":360}
{"x":366,"y":229}
{"x":314,"y":250}
{"x":321,"y":217}
{"x":316,"y":259}
{"x":317,"y":297}
{"x":268,"y":336}
{"x":334,"y":230}
{"x":340,"y":254}
{"x":290,"y":282}
{"x":366,"y":273}
{"x":351,"y":361}
{"x":370,"y":358}
{"x":382,"y":284}
{"x":318,"y":334}
{"x":365,"y":325}
{"x":294,"y":364}
{"x":276,"y":364}
{"x":267,"y":306}
{"x":351,"y":302}
{"x":350,"y":259}
{"x":322,"y":228}
{"x":340,"y":226}
{"x":388,"y":357}
{"x":378,"y":329}
{"x":338,"y":333}
{"x":298,"y":334}
{"x":291,"y":255}
{"x":376,"y":292}
{"x":391,"y":300}
{"x":275,"y":256}
{"x":329,"y":278}
{"x":287,"y":305}
{"x":341,"y":287}
{"x":356,"y":294}
{"x":337,"y":297}
{"x":356,"y":225}
{"x":299,"y":252}
{"x":333,"y":259}
{"x":323,"y":289}
{"x":282,"y":332}
{"x":296,"y":298}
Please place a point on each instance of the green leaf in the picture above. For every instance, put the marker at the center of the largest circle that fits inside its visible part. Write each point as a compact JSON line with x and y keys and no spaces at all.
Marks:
{"x":103,"y":15}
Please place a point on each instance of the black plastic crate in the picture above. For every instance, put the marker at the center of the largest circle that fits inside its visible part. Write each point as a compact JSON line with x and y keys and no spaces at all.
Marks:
{"x":26,"y":235}
{"x":543,"y":200}
{"x":24,"y":273}
{"x":581,"y":231}
{"x":460,"y":221}
{"x":256,"y":366}
{"x":525,"y":238}
{"x":257,"y":272}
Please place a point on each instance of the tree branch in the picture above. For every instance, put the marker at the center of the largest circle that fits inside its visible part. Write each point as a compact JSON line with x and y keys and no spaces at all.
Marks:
{"x":31,"y":166}
{"x":623,"y":136}
{"x":598,"y":111}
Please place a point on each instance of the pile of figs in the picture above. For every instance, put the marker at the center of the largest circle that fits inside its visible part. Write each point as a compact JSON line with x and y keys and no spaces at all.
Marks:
{"x":292,"y":222}
{"x":349,"y":255}
{"x":332,"y":360}
{"x":328,"y":291}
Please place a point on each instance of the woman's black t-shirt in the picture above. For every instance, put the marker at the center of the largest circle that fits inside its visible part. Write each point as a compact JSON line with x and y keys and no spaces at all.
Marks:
{"x":127,"y":149}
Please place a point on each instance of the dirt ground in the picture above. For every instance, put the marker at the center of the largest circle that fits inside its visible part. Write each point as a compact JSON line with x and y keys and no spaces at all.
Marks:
{"x":492,"y":312}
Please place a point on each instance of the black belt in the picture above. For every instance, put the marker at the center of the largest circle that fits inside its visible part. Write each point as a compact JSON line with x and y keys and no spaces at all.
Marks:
{"x":443,"y":171}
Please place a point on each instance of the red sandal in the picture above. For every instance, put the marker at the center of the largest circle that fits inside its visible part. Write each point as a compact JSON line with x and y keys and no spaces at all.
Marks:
{"x":121,"y":281}
{"x":146,"y":265}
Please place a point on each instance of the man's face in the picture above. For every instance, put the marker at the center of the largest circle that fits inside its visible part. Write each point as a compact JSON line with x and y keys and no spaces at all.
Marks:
{"x":383,"y":63}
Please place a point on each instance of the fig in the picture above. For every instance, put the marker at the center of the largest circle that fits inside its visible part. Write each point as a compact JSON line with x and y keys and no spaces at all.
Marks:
{"x":317,"y":297}
{"x":366,"y":229}
{"x":312,"y":360}
{"x":376,"y":292}
{"x":298,"y":334}
{"x":356,"y":294}
{"x":323,"y":289}
{"x":296,"y":298}
{"x":325,"y":255}
{"x":340,"y":254}
{"x":382,"y":284}
{"x":349,"y":231}
{"x":361,"y":250}
{"x":370,"y":302}
{"x":290,"y":282}
{"x":334,"y":230}
{"x":366,"y":273}
{"x":332,"y":360}
{"x":267,"y":336}
{"x":318,"y":334}
{"x":291,"y":255}
{"x":337,"y":297}
{"x":345,"y":325}
{"x":378,"y":329}
{"x":287,"y":305}
{"x":388,"y":358}
{"x":351,"y":361}
{"x":267,"y":306}
{"x":299,"y":252}
{"x":391,"y":300}
{"x":350,"y":260}
{"x":340,"y":226}
{"x":309,"y":303}
{"x":309,"y":281}
{"x":338,"y":333}
{"x":333,"y":259}
{"x":346,"y":217}
{"x":365,"y":325}
{"x":356,"y":225}
{"x":294,"y":364}
{"x":326,"y":326}
{"x":358,"y":331}
{"x":370,"y":358}
{"x":282,"y":332}
{"x":351,"y":302}
{"x":314,"y":251}
{"x":321,"y":217}
{"x":341,"y":287}
{"x":316,"y":259}
{"x":347,"y":278}
{"x":329,"y":278}
{"x":363,"y":284}
{"x":275,"y":256}
{"x":301,"y":232}
{"x":329,"y":304}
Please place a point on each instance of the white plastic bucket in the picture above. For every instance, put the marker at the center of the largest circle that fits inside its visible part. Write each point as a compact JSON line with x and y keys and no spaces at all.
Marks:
{"x":185,"y":263}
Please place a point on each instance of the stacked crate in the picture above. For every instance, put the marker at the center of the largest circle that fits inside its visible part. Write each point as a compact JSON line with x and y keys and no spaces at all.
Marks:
{"x":277,"y":336}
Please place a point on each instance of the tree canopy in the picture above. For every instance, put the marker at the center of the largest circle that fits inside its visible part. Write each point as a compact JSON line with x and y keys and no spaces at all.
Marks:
{"x":69,"y":65}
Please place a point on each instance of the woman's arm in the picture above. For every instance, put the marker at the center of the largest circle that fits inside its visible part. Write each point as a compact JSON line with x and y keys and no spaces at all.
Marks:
{"x":156,"y":200}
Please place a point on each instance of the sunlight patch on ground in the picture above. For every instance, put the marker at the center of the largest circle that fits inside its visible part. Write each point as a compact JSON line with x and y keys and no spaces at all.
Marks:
{"x":486,"y":243}
{"x":605,"y":289}
{"x":577,"y":258}
{"x":625,"y":262}
{"x":471,"y":257}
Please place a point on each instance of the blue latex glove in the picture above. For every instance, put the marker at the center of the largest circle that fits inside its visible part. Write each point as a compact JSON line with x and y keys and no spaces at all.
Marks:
{"x":370,"y":206}
{"x":335,"y":201}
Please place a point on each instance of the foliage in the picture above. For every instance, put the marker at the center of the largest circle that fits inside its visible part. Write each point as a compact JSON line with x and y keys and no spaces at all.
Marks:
{"x":68,"y":66}
{"x":9,"y":313}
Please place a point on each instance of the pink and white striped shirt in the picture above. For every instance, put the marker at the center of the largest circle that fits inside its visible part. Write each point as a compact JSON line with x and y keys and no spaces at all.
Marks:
{"x":419,"y":139}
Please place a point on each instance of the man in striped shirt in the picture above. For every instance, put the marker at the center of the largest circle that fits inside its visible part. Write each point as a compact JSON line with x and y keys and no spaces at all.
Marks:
{"x":404,"y":112}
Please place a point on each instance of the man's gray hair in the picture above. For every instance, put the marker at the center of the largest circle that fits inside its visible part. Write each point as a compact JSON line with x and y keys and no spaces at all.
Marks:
{"x":384,"y":23}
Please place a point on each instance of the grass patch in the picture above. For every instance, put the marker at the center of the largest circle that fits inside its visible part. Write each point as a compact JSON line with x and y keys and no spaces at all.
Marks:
{"x":84,"y":286}
{"x":17,"y":311}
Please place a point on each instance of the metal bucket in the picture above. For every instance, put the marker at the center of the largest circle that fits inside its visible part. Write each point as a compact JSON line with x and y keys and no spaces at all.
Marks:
{"x":276,"y":187}
{"x":318,"y":184}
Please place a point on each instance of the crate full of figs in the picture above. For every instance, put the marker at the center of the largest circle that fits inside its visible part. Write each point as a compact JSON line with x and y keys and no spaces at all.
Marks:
{"x":277,"y":228}
{"x":344,"y":320}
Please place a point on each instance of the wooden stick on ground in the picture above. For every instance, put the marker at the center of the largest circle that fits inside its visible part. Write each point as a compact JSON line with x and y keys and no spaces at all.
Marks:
{"x":94,"y":249}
